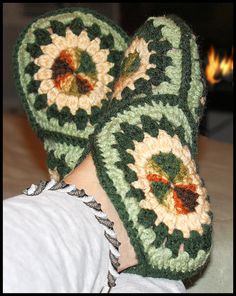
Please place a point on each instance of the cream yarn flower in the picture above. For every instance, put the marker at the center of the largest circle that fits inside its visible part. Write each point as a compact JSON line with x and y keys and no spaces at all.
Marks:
{"x":74,"y":71}
{"x":184,"y":204}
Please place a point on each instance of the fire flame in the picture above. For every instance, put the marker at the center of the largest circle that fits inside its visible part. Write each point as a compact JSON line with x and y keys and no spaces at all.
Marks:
{"x":216,"y":68}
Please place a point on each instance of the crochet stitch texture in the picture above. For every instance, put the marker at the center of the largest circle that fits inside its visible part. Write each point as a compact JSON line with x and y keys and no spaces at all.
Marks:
{"x":137,"y":109}
{"x":144,"y":150}
{"x":65,"y":64}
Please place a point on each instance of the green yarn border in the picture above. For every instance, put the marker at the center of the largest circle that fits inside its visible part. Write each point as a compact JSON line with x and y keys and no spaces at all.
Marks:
{"x":112,"y":57}
{"x":123,"y":105}
{"x":41,"y":132}
{"x":35,"y":125}
{"x":143,"y":267}
{"x":186,"y":35}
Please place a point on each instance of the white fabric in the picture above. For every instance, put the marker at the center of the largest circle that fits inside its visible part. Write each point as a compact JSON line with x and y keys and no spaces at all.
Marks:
{"x":52,"y":243}
{"x":133,"y":283}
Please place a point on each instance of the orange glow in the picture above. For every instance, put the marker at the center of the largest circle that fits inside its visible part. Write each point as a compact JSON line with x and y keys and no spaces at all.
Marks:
{"x":217,"y":68}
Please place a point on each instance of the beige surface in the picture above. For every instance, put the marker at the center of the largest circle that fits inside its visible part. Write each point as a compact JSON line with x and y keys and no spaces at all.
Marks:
{"x":24,"y":164}
{"x":23,"y":155}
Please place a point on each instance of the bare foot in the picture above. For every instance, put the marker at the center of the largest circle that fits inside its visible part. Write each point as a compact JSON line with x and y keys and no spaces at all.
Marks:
{"x":85,"y":177}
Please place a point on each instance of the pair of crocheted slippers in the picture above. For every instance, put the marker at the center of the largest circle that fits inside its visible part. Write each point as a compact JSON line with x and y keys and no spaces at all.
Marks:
{"x":135,"y":104}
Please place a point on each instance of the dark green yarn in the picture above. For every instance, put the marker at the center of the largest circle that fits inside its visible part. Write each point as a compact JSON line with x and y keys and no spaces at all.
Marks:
{"x":42,"y":37}
{"x":34,"y":50}
{"x":186,"y":35}
{"x":58,"y":28}
{"x":51,"y":160}
{"x":52,"y":111}
{"x":94,"y":31}
{"x":124,"y":141}
{"x":146,"y":218}
{"x":120,"y":165}
{"x":60,"y":137}
{"x":207,"y":232}
{"x":113,"y":72}
{"x":142,"y":84}
{"x":119,"y":107}
{"x":95,"y":113}
{"x":130,"y":98}
{"x":86,"y":64}
{"x":136,"y":193}
{"x":107,"y":41}
{"x":192,"y":244}
{"x":64,"y":116}
{"x":62,"y":167}
{"x":81,"y":119}
{"x":169,"y":163}
{"x":126,"y":93}
{"x":180,"y":131}
{"x":163,"y":46}
{"x":31,"y":68}
{"x":144,"y":268}
{"x":33,"y":86}
{"x":149,"y":32}
{"x":58,"y":163}
{"x":130,"y":175}
{"x":159,"y":189}
{"x":40,"y":102}
{"x":157,"y":76}
{"x":167,"y":273}
{"x":174,"y":241}
{"x":125,"y":156}
{"x":115,"y":56}
{"x":149,"y":125}
{"x":167,"y":126}
{"x":161,"y":232}
{"x":111,"y":191}
{"x":196,"y":241}
{"x":77,"y":26}
{"x":161,"y":61}
{"x":132,"y":131}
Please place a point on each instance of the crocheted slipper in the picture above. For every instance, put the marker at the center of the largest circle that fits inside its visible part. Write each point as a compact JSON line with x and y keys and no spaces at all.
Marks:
{"x":144,"y":151}
{"x":65,"y":63}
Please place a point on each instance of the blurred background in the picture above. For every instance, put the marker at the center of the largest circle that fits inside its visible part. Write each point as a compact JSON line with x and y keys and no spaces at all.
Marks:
{"x":211,"y":22}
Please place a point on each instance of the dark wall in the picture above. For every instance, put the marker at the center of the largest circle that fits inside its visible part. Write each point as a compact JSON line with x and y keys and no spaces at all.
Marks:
{"x":211,"y":22}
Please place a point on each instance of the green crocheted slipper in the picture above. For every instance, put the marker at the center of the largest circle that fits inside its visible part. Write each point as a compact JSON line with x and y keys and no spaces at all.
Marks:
{"x":65,"y":63}
{"x":144,"y":151}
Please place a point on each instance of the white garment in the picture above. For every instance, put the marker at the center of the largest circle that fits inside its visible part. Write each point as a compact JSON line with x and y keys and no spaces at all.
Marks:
{"x":134,"y":283}
{"x":52,"y":243}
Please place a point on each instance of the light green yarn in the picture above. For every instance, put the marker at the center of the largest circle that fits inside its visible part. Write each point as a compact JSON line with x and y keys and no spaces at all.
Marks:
{"x":111,"y":155}
{"x":170,"y":30}
{"x":88,"y":20}
{"x":173,"y":72}
{"x":161,"y":257}
{"x":133,"y":208}
{"x":73,"y":153}
{"x":172,"y":33}
{"x":196,"y":88}
{"x":147,"y":236}
{"x":155,"y":112}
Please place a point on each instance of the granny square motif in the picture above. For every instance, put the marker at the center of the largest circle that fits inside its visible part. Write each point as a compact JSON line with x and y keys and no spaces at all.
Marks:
{"x":145,"y":149}
{"x":65,"y":63}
